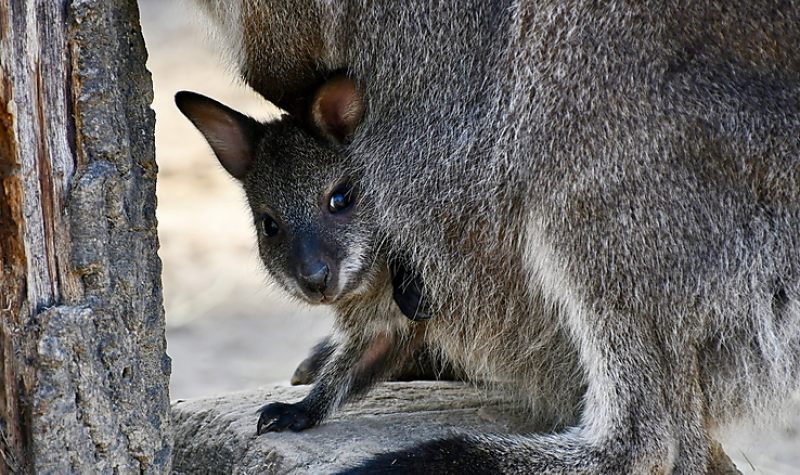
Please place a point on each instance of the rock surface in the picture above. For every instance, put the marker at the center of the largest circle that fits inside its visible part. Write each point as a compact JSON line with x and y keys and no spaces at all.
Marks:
{"x":217,"y":435}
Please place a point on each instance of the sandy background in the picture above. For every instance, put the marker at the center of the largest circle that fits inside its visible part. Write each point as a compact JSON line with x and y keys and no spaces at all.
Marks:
{"x":226,"y":328}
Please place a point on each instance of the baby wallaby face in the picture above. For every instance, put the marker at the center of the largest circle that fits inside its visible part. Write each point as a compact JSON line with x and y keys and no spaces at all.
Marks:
{"x":312,"y":235}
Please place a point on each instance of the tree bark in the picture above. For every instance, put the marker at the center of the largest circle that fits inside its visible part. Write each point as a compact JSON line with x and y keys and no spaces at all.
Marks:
{"x":82,"y":352}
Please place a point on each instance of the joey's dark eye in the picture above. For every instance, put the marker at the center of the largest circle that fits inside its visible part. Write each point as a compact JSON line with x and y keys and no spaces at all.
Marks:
{"x":341,"y":198}
{"x":269,"y":226}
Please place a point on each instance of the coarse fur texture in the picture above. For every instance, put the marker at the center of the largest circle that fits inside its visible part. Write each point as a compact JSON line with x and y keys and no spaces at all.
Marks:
{"x":602,"y":199}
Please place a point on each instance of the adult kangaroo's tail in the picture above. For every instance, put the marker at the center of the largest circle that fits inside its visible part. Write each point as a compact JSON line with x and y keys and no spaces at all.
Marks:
{"x":567,"y":453}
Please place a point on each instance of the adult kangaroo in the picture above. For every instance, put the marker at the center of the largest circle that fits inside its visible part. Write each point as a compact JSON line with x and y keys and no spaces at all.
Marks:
{"x":602,"y":200}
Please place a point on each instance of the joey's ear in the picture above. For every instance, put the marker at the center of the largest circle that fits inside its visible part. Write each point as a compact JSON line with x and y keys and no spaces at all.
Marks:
{"x":230,"y":134}
{"x":337,"y":109}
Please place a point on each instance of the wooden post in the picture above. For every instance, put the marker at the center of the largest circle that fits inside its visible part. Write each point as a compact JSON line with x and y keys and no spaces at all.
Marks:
{"x":82,"y":352}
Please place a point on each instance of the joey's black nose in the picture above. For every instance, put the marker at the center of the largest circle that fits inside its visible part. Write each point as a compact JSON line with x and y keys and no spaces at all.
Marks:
{"x":315,"y":277}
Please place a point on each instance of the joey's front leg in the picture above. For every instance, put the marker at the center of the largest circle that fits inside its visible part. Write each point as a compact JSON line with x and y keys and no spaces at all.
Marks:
{"x":354,"y":367}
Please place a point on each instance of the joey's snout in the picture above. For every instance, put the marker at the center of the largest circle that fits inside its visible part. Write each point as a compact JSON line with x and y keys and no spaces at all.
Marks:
{"x":315,"y":271}
{"x":314,"y":276}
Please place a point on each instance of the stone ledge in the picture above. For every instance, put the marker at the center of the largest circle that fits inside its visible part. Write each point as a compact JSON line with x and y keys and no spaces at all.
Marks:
{"x":217,"y":435}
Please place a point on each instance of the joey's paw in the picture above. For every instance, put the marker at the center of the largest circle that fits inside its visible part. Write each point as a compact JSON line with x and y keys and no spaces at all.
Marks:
{"x":304,"y":374}
{"x":310,"y":368}
{"x":408,"y":293}
{"x":279,"y":416}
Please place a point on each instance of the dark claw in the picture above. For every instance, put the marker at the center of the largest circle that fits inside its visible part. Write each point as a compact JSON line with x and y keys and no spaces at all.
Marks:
{"x":278,"y":416}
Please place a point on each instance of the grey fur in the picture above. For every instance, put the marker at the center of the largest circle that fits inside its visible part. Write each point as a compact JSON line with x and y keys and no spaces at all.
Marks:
{"x":602,"y":198}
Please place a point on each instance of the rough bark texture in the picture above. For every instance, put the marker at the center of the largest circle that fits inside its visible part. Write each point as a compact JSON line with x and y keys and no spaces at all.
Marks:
{"x":218,"y":435}
{"x":82,"y":350}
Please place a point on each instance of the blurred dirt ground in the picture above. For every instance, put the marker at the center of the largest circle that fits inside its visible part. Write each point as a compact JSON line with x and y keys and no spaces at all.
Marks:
{"x":226,"y":329}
